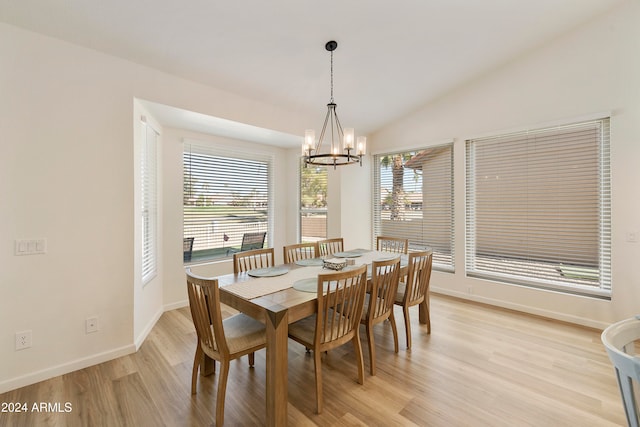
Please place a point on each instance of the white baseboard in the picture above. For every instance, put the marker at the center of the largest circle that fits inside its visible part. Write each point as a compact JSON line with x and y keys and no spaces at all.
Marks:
{"x":175,"y":305}
{"x":583,"y":321}
{"x":147,"y":330}
{"x":65,"y":368}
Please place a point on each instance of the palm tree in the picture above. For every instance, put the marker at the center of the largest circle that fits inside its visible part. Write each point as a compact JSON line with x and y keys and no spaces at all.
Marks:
{"x":396,"y":161}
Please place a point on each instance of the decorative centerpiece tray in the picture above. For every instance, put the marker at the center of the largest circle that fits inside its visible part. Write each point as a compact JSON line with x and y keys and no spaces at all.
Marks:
{"x":334,"y":264}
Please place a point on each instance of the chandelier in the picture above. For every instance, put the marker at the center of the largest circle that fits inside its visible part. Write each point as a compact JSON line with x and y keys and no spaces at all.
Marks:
{"x":340,"y":149}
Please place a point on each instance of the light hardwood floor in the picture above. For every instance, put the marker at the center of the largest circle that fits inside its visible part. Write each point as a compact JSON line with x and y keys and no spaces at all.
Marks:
{"x":481,"y":366}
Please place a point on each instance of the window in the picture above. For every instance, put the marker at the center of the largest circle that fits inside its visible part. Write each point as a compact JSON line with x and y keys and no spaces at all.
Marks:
{"x":149,"y":183}
{"x":226,"y":194}
{"x":313,"y":203}
{"x":413,"y":199}
{"x":539,"y":208}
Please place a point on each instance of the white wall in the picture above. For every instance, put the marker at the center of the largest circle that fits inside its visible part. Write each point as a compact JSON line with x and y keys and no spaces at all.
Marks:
{"x":349,"y":204}
{"x":593,"y":69}
{"x":355,"y":205}
{"x":67,"y":174}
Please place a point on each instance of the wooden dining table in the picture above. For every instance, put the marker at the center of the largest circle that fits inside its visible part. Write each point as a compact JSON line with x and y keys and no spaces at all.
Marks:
{"x":275,"y":301}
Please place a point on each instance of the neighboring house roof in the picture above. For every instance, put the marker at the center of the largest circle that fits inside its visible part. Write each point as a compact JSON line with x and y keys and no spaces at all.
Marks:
{"x":423,"y":156}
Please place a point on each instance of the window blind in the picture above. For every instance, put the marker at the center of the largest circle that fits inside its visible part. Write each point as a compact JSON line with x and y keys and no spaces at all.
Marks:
{"x":149,"y":182}
{"x":539,"y":207}
{"x":226,"y":194}
{"x":413,"y":199}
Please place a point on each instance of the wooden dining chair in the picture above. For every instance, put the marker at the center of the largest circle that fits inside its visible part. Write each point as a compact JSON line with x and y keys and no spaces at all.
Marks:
{"x":187,"y":248}
{"x":415,"y":289}
{"x":329,"y":246}
{"x":221,"y":340}
{"x":336,"y":322}
{"x":256,"y":258}
{"x":254,"y":240}
{"x":392,"y":244}
{"x":293,"y":253}
{"x":379,"y":303}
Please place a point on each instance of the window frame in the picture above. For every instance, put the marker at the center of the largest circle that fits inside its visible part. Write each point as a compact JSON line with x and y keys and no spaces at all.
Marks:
{"x":446,"y":261}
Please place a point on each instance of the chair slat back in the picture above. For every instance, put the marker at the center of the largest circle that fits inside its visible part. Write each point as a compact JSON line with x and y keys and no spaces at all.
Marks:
{"x":340,"y":305}
{"x":187,"y":248}
{"x":252,"y":241}
{"x":392,"y":244}
{"x":385,"y":276}
{"x":418,"y":276}
{"x":330,"y":246}
{"x":204,"y":302}
{"x":249,"y":260}
{"x":293,"y":253}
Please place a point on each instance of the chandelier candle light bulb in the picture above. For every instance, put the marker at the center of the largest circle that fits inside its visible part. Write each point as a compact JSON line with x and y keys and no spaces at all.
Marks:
{"x":348,"y":138}
{"x":309,"y":141}
{"x":342,"y":149}
{"x":362,"y":145}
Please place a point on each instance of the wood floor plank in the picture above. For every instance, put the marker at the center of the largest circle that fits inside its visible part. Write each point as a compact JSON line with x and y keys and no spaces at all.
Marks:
{"x":135,"y":405}
{"x":480,"y":366}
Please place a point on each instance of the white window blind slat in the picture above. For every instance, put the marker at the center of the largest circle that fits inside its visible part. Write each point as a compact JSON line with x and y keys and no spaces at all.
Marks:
{"x":538,"y":207}
{"x":226,"y":194}
{"x":149,"y":178}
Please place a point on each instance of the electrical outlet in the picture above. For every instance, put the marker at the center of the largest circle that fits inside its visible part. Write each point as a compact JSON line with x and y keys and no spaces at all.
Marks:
{"x":23,"y":340}
{"x":91,"y":325}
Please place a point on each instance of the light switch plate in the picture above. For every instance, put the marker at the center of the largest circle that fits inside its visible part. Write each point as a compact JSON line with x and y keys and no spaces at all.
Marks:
{"x":30,"y":246}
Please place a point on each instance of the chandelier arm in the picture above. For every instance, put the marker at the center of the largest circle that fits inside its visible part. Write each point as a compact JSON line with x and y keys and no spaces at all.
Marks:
{"x":338,"y":125}
{"x":333,"y":115}
{"x":324,"y":128}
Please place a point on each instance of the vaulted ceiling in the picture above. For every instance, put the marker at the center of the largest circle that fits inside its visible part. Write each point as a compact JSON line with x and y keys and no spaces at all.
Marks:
{"x":392,"y":58}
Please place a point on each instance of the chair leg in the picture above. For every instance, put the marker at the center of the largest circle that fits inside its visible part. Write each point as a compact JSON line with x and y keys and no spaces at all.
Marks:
{"x":394,"y":329}
{"x":358,"y":348}
{"x":407,"y":325}
{"x":222,"y":390}
{"x":252,"y":359}
{"x":196,"y":364}
{"x":428,"y":314}
{"x":317,"y":364}
{"x":372,"y":349}
{"x":628,"y":398}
